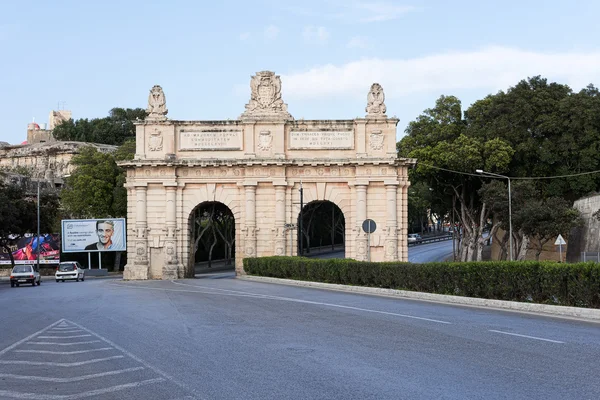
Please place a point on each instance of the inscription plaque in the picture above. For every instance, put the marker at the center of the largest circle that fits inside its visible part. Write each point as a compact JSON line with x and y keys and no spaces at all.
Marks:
{"x":342,"y":140}
{"x":210,"y":140}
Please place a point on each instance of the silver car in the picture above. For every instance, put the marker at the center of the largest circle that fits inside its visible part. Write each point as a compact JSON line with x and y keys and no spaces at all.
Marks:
{"x":69,"y":270}
{"x":25,"y":274}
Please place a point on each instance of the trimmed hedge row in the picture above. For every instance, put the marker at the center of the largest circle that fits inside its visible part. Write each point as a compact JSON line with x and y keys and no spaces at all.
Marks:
{"x":542,"y":282}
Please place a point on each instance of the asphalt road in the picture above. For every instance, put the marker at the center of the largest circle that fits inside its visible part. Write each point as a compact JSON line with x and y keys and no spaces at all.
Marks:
{"x":429,"y":252}
{"x":219,"y":337}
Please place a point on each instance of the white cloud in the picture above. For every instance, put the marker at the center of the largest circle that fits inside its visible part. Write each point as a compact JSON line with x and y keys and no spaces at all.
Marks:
{"x":357,"y":42}
{"x":271,"y":32}
{"x":490,"y":69}
{"x":244,"y":36}
{"x":315,"y":34}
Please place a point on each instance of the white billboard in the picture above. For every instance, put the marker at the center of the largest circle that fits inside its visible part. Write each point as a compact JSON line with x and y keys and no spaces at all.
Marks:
{"x":87,"y":235}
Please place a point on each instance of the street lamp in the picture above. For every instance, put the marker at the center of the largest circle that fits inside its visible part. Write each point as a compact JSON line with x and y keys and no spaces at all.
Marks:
{"x":510,"y":238}
{"x":38,"y":224}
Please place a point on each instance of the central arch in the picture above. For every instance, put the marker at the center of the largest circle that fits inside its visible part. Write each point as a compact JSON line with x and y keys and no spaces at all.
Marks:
{"x":323,"y":228}
{"x":211,"y":227}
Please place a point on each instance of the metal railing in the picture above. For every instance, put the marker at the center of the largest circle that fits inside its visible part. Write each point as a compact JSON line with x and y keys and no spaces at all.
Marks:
{"x":431,"y":239}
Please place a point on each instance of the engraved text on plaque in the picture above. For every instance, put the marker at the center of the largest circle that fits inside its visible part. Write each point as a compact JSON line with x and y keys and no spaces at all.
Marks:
{"x":210,"y":140}
{"x":322,"y":140}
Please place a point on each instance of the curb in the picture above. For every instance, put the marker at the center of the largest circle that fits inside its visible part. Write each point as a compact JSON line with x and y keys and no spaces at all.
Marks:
{"x":590,"y":314}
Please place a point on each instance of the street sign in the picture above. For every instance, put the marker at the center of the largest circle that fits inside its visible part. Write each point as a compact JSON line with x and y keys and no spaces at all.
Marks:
{"x":369,"y":226}
{"x":559,"y":240}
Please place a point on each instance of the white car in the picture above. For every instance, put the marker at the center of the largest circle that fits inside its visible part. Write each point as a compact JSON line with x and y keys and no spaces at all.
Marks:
{"x":414,"y":237}
{"x":25,"y":274}
{"x":69,"y":270}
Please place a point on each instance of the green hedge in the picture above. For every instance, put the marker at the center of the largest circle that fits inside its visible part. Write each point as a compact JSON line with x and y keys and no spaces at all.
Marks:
{"x":542,"y":282}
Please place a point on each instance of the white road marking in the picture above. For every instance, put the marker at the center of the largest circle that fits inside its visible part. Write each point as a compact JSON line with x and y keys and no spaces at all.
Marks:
{"x":28,"y":338}
{"x":327,"y":304}
{"x":528,"y":337}
{"x":62,"y":352}
{"x":59,"y":364}
{"x":65,"y":331}
{"x":65,"y":344}
{"x":145,"y":364}
{"x":34,"y":396}
{"x":236,"y":293}
{"x":62,"y":337}
{"x":68,"y":380}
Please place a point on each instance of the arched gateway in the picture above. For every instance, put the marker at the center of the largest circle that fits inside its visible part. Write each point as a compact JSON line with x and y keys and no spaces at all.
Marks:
{"x":255,"y":166}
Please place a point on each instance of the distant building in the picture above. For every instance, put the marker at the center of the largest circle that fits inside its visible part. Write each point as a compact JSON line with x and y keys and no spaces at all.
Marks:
{"x":42,"y":133}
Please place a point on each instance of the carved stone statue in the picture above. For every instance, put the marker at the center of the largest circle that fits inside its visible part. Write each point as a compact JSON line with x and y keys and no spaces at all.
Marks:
{"x":375,"y":102}
{"x":265,"y":98}
{"x":157,"y":105}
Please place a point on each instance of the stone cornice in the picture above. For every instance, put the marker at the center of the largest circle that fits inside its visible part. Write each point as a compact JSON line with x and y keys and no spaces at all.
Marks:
{"x":268,"y":162}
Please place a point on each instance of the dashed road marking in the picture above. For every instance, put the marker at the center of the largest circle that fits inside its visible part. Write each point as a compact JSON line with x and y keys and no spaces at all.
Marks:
{"x":528,"y":337}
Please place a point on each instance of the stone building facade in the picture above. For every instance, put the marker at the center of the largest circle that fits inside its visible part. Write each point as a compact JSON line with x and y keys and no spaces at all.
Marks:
{"x":255,"y":165}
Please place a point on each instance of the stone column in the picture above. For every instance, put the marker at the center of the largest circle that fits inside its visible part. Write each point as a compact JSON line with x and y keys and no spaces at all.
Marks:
{"x":250,"y":218}
{"x":139,"y":270}
{"x":361,"y":215}
{"x":170,"y":267}
{"x":391,"y":229}
{"x":404,"y":219}
{"x":279,"y":219}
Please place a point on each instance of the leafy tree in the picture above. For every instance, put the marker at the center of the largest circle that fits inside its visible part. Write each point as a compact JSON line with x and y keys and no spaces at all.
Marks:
{"x":115,"y":129}
{"x":92,"y":190}
{"x":438,"y":140}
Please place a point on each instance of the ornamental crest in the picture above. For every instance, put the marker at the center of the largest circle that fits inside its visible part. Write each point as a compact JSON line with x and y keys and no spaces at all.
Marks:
{"x":155,"y":142}
{"x":265,"y":140}
{"x":265,"y":97}
{"x":376,"y":140}
{"x":376,"y":102}
{"x":157,"y":104}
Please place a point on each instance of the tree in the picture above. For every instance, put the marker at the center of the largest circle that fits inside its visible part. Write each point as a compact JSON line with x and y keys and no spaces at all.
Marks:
{"x":115,"y":129}
{"x":438,"y":139}
{"x":92,"y":190}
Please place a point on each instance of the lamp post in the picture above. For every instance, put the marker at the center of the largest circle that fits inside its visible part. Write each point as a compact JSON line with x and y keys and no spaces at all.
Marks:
{"x":300,"y":244}
{"x":38,"y":224}
{"x":510,"y":238}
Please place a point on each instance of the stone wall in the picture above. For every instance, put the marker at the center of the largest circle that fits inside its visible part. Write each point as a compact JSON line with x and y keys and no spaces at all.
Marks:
{"x":50,"y":161}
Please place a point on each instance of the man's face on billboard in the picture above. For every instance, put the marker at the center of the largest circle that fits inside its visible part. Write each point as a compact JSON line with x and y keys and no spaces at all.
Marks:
{"x":105,"y":232}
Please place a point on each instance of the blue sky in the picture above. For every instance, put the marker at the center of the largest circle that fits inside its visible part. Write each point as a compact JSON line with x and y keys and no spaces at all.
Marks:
{"x":95,"y":55}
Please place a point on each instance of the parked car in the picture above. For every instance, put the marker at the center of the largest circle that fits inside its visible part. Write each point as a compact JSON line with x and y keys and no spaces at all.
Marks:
{"x":25,"y":274}
{"x":414,"y":237}
{"x":68,"y":270}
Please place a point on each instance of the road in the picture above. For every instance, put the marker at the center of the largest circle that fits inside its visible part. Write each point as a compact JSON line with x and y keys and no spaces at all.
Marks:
{"x":219,"y":337}
{"x":430,"y":252}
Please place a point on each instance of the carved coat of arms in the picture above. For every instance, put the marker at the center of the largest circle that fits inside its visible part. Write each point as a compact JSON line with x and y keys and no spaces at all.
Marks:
{"x":265,"y":96}
{"x":376,"y":140}
{"x":155,"y":142}
{"x":265,"y":140}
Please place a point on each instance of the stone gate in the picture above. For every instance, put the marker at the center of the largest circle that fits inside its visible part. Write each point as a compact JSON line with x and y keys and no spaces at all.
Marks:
{"x":255,"y":165}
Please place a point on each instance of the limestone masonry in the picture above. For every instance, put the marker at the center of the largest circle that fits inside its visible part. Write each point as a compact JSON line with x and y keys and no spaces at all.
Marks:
{"x":254,"y":165}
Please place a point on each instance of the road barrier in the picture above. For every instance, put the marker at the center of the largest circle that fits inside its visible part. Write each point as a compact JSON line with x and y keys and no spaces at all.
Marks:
{"x":431,"y":239}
